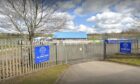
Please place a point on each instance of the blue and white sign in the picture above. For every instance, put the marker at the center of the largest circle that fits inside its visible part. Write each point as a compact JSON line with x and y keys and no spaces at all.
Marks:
{"x":42,"y":54}
{"x":125,"y":47}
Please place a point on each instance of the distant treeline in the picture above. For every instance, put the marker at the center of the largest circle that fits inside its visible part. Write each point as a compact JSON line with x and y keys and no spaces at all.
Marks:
{"x":8,"y":35}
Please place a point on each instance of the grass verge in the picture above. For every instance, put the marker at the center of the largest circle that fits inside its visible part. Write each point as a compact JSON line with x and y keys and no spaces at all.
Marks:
{"x":130,"y":61}
{"x":47,"y":76}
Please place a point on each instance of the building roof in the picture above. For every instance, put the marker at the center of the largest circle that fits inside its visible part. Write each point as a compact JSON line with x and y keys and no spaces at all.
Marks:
{"x":70,"y":35}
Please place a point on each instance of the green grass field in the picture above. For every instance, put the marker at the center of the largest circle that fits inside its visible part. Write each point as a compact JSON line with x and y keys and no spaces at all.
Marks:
{"x":130,"y":61}
{"x":47,"y":76}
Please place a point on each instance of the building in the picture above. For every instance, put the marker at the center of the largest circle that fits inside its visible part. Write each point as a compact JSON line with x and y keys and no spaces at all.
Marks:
{"x":70,"y":37}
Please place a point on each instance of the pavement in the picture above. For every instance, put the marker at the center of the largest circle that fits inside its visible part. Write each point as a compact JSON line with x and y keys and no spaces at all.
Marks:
{"x":101,"y":72}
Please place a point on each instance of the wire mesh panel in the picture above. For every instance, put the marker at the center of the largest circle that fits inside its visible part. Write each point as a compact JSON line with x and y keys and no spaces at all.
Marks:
{"x":18,"y":56}
{"x":114,"y":49}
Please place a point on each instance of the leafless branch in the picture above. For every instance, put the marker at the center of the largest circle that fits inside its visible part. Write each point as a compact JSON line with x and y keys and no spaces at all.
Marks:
{"x":32,"y":14}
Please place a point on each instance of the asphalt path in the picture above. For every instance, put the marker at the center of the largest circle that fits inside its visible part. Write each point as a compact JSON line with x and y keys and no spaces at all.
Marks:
{"x":100,"y":72}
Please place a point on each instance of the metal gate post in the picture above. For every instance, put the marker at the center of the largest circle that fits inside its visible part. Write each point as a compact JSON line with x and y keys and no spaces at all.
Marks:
{"x":56,"y":53}
{"x":104,"y":50}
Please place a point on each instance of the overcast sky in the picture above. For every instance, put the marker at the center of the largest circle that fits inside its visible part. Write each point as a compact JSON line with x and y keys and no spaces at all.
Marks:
{"x":101,"y":16}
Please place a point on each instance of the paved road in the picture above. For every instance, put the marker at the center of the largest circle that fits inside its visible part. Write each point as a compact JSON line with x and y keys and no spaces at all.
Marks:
{"x":99,"y":72}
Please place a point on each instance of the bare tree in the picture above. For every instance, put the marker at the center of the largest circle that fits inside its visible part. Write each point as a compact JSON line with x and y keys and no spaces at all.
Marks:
{"x":31,"y":16}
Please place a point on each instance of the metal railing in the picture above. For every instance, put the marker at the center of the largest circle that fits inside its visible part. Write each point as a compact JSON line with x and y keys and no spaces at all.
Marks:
{"x":17,"y":57}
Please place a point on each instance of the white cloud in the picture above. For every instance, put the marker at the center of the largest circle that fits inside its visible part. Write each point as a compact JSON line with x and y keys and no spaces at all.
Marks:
{"x":124,"y":18}
{"x":101,"y":5}
{"x":112,"y":22}
{"x":78,"y":11}
{"x":129,"y":6}
{"x":2,"y":30}
{"x":94,"y":6}
{"x":91,"y":19}
{"x":7,"y":27}
{"x":115,"y":30}
{"x":70,"y":25}
{"x":84,"y":28}
{"x":60,"y":21}
{"x":123,"y":6}
{"x":68,"y":4}
{"x":54,"y":20}
{"x":63,"y":15}
{"x":107,"y":21}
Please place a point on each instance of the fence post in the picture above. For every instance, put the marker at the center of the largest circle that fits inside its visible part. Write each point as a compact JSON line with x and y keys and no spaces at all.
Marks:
{"x":56,"y":53}
{"x":20,"y":43}
{"x":104,"y":56}
{"x":137,"y":46}
{"x":66,"y":57}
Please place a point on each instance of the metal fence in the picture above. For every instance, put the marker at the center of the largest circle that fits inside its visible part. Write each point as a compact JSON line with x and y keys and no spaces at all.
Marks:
{"x":17,"y":57}
{"x":113,"y":50}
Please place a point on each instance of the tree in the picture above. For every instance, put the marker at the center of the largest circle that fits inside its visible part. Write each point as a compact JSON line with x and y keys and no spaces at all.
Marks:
{"x":31,"y":16}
